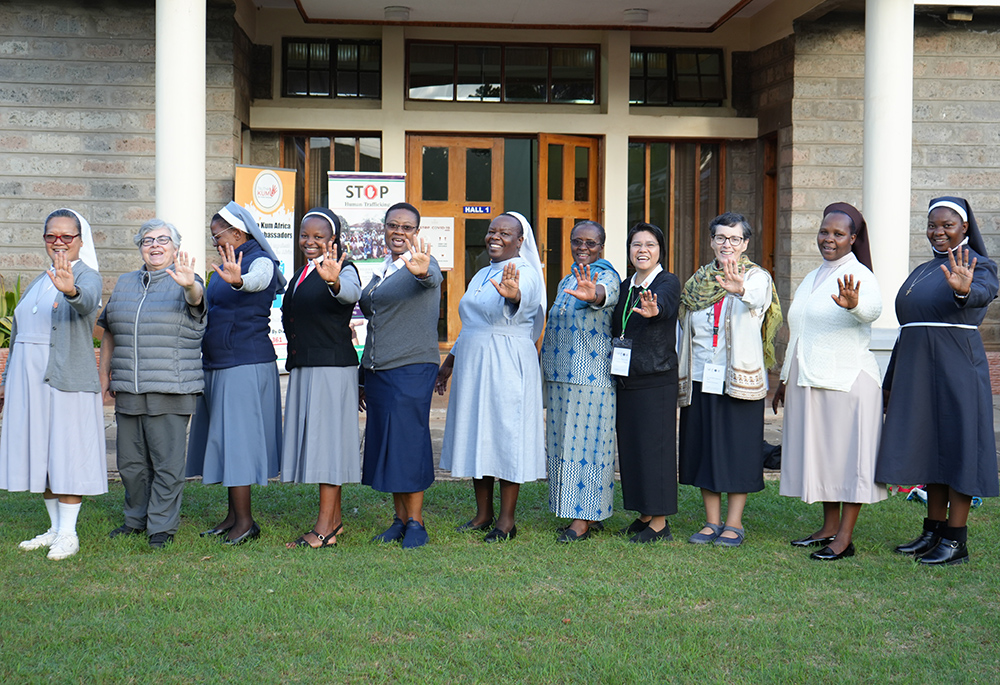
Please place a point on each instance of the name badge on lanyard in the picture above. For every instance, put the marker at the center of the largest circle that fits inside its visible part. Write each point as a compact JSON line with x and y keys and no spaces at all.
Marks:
{"x":621,"y":356}
{"x":713,"y":379}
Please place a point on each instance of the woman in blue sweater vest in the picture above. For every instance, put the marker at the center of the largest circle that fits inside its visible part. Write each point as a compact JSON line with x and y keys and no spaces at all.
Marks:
{"x":236,"y":431}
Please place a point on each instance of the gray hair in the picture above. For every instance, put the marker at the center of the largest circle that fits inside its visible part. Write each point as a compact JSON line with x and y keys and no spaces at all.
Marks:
{"x":152,"y":225}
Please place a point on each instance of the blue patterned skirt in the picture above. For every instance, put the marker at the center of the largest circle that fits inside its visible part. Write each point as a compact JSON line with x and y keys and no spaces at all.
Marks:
{"x":580,"y":444}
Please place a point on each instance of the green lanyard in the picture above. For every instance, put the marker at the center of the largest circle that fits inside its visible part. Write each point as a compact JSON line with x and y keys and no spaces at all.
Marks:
{"x":627,"y":313}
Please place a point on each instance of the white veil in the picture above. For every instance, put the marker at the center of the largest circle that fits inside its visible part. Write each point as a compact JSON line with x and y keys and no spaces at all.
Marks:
{"x":529,"y":252}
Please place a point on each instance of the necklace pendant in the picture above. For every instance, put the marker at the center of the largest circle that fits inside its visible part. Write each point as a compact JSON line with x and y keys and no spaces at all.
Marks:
{"x":908,"y":291}
{"x":34,"y":310}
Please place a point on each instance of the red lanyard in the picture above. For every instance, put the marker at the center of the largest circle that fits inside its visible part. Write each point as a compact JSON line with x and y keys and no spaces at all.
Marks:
{"x":715,"y":324}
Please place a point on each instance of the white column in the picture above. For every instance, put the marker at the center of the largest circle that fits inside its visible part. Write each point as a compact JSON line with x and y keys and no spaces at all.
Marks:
{"x":887,"y":149}
{"x":180,"y":121}
{"x":393,"y":99}
{"x":618,"y":47}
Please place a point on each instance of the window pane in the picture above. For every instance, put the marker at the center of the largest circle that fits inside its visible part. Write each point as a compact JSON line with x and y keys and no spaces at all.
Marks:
{"x":435,"y":174}
{"x":319,"y":164}
{"x":573,"y":74}
{"x":343,"y":154}
{"x":657,"y":64}
{"x":319,"y":83}
{"x":297,"y":56}
{"x":686,"y":254}
{"x":526,"y":74}
{"x":553,"y":256}
{"x":347,"y":56}
{"x":371,"y":154}
{"x":636,"y":61}
{"x":476,"y":256}
{"x":688,"y":88}
{"x":659,"y":185}
{"x":369,"y":85}
{"x":369,"y":57}
{"x":432,"y":72}
{"x":581,"y":185}
{"x":296,"y":82}
{"x":708,"y":170}
{"x":347,"y":84}
{"x":478,"y":175}
{"x":479,"y":73}
{"x":636,"y":183}
{"x":658,"y":92}
{"x":555,"y":172}
{"x":319,"y":55}
{"x":636,"y":94}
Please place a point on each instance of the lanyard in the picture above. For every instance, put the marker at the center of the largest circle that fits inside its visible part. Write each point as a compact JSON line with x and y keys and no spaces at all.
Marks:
{"x":627,"y":312}
{"x":715,"y":323}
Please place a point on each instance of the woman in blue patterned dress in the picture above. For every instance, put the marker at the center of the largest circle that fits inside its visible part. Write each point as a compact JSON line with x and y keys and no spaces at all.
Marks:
{"x":579,"y":392}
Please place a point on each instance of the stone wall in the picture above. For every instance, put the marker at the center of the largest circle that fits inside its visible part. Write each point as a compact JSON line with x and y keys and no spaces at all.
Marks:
{"x":77,"y":123}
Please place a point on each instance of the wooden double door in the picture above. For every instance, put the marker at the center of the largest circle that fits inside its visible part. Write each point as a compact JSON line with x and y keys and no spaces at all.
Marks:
{"x":551,"y":179}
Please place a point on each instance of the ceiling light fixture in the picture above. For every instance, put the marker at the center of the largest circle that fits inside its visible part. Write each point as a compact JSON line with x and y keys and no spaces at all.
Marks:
{"x":636,"y":15}
{"x":397,"y":13}
{"x":959,"y":14}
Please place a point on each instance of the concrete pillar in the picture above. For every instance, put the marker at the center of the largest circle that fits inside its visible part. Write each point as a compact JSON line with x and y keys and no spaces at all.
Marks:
{"x":393,"y":98}
{"x":180,"y":121}
{"x":617,"y":49}
{"x":887,"y":150}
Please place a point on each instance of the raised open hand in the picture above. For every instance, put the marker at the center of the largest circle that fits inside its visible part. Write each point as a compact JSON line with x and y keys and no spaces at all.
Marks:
{"x":509,"y":286}
{"x":849,"y":289}
{"x":586,"y":285}
{"x":647,"y":305}
{"x":958,"y":272}
{"x":329,"y":269}
{"x":183,"y":271}
{"x":732,"y":277}
{"x":419,"y":261}
{"x":61,"y":274}
{"x":232,"y":266}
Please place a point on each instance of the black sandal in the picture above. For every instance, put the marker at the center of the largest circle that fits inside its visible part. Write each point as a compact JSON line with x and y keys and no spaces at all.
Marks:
{"x":323,"y":539}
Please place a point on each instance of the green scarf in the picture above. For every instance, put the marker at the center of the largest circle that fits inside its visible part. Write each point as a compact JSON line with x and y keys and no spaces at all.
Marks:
{"x":702,"y":291}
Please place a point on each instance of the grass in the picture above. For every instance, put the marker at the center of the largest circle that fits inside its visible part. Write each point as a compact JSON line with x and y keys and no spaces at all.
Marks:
{"x":459,"y":611}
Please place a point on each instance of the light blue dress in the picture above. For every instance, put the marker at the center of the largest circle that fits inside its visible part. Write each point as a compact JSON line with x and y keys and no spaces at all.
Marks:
{"x":580,"y":399}
{"x":494,"y":423}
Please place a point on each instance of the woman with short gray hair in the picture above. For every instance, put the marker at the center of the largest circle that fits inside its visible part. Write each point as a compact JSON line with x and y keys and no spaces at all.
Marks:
{"x":151,"y":365}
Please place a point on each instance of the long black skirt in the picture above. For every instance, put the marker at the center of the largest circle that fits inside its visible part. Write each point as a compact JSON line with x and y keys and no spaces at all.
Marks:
{"x":720,"y":443}
{"x":646,"y":425}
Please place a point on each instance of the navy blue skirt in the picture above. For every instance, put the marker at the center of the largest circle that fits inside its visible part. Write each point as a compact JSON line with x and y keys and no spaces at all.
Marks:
{"x":398,"y":456}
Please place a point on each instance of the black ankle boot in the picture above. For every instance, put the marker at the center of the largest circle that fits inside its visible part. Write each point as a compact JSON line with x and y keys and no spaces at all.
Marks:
{"x":926,"y":542}
{"x":951,"y":548}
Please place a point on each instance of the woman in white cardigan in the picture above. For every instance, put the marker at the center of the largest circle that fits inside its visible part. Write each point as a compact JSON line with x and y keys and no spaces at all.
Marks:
{"x":830,"y":383}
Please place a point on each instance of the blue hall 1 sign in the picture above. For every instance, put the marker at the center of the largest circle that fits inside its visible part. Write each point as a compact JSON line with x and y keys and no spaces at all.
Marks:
{"x":476,"y":209}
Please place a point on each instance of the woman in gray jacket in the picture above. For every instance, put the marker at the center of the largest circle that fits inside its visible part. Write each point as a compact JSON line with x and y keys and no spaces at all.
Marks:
{"x":151,"y":365}
{"x":53,"y":425}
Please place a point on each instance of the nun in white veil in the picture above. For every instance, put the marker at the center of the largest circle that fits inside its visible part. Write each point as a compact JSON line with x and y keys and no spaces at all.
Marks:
{"x":53,"y":437}
{"x":494,"y":428}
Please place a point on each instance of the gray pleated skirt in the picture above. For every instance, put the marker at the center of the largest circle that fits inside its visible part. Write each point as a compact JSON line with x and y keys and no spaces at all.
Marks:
{"x":322,"y":443}
{"x":236,"y":429}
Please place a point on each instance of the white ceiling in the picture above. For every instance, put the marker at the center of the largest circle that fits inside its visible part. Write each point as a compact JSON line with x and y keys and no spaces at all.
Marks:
{"x":679,"y":14}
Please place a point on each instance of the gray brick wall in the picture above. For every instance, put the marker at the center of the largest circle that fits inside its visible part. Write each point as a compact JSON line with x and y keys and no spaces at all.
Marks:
{"x":77,"y":123}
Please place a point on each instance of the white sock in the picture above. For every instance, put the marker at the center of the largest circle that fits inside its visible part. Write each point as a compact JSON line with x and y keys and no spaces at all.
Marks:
{"x":67,"y":518}
{"x":52,"y":505}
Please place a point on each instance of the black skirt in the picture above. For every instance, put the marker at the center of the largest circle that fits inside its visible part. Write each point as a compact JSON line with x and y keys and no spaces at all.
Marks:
{"x":720,"y":445}
{"x":646,"y":425}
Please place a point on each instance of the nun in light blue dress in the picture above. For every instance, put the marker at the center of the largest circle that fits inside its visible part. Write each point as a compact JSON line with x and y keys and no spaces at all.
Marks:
{"x":495,"y":426}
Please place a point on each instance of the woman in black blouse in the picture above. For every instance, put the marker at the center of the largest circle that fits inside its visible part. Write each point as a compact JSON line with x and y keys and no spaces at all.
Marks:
{"x":644,"y":361}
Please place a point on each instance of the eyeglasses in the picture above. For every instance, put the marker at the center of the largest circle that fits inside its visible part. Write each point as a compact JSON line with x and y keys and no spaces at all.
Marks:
{"x":64,"y":239}
{"x":405,"y":228}
{"x":589,"y":244}
{"x":159,"y":240}
{"x":734,"y":240}
{"x":215,"y":238}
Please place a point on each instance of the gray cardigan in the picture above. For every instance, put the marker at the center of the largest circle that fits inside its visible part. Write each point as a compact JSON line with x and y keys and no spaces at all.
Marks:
{"x":157,"y":335}
{"x":72,"y":365}
{"x":402,"y":314}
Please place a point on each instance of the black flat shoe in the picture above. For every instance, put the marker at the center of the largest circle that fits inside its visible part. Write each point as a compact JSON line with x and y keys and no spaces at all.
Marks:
{"x":252,"y":534}
{"x":647,"y":534}
{"x":497,"y":535}
{"x":469,"y":526}
{"x":636,"y":526}
{"x":214,"y":531}
{"x":570,"y":535}
{"x":927,"y":541}
{"x":947,"y":553}
{"x":827,"y":554}
{"x":809,"y":541}
{"x":595,"y":527}
{"x":126,"y":529}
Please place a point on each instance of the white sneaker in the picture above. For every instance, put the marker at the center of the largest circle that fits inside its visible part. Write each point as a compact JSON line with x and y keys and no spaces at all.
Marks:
{"x":39,"y":541}
{"x":64,"y":546}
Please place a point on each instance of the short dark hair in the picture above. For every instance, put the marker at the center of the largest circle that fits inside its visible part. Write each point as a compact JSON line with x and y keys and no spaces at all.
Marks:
{"x":649,"y":228}
{"x":854,"y":229}
{"x":402,"y":205}
{"x":731,"y":219}
{"x":594,"y":224}
{"x":219,"y":217}
{"x":66,"y":213}
{"x":520,"y":226}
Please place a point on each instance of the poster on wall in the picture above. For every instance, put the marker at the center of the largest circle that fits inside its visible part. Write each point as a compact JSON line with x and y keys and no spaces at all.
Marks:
{"x":269,"y":195}
{"x":360,"y":201}
{"x":439,"y":233}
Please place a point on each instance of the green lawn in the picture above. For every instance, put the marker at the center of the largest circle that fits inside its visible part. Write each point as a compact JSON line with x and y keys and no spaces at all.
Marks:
{"x":529,"y":611}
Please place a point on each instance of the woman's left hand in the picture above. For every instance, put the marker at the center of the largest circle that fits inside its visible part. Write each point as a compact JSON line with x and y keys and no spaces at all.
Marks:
{"x":509,"y":286}
{"x":959,"y":272}
{"x":329,"y":269}
{"x":232,"y":266}
{"x":62,"y":275}
{"x":647,"y":305}
{"x":732,"y":277}
{"x":183,"y":271}
{"x":847,"y":297}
